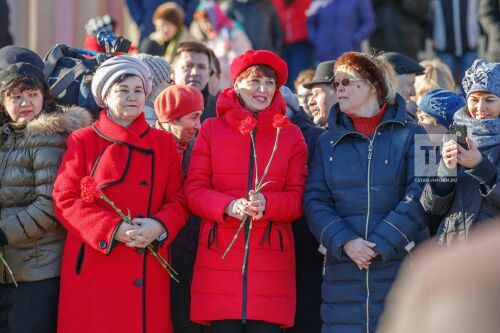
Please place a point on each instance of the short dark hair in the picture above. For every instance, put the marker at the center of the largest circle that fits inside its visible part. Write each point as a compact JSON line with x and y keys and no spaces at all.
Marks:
{"x":194,"y":47}
{"x":24,"y":83}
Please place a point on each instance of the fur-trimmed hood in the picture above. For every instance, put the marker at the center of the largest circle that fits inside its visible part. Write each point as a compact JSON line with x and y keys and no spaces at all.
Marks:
{"x":63,"y":121}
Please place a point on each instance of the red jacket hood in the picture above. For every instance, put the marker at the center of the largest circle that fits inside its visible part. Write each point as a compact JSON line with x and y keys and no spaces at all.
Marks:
{"x":232,"y":110}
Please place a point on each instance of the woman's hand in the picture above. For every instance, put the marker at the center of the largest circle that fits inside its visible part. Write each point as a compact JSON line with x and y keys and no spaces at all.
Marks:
{"x":469,"y":158}
{"x":450,"y":153}
{"x":121,"y":233}
{"x":258,"y":204}
{"x":238,"y":208}
{"x":360,"y":251}
{"x":146,"y":232}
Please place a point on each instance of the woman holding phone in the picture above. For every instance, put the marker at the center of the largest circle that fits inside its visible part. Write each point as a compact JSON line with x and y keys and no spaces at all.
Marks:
{"x":474,"y":195}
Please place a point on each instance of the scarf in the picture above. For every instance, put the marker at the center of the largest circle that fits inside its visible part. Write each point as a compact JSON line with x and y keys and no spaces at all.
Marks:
{"x":485,"y":133}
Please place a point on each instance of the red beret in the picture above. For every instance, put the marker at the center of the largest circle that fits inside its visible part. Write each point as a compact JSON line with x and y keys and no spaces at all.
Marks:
{"x":177,"y":101}
{"x":260,"y":57}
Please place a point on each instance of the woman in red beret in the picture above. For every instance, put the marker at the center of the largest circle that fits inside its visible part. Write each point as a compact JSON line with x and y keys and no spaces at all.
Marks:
{"x":256,"y":292}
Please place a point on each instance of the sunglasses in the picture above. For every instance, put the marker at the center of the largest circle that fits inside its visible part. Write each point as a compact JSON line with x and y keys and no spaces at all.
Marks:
{"x":345,"y":82}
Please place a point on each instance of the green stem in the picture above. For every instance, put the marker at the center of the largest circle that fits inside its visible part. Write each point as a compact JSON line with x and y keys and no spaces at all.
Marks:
{"x":255,"y":159}
{"x":163,"y":262}
{"x":7,"y":267}
{"x":275,"y":147}
{"x":235,"y":236}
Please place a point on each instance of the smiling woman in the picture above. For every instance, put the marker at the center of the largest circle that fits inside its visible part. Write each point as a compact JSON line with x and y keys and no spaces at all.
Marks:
{"x":125,"y":99}
{"x":137,"y":167}
{"x":224,"y":168}
{"x":474,"y":196}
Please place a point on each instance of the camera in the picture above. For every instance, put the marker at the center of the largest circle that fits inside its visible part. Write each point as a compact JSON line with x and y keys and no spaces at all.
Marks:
{"x":113,"y":43}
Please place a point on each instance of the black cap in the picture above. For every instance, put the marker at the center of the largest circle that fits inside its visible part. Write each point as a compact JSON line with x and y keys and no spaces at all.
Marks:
{"x":12,"y":54}
{"x":17,"y":70}
{"x":403,"y":64}
{"x":323,"y":74}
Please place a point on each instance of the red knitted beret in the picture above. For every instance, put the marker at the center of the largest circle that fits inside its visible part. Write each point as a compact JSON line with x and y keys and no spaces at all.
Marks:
{"x":177,"y":101}
{"x":260,"y":57}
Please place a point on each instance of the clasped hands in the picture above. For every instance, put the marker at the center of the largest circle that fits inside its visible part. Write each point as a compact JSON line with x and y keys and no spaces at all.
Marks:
{"x":360,"y":251}
{"x":254,"y":207}
{"x":139,"y":234}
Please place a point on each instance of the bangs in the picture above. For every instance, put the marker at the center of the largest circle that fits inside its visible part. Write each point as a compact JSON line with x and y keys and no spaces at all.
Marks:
{"x":344,"y":70}
{"x":259,"y":71}
{"x":23,"y":83}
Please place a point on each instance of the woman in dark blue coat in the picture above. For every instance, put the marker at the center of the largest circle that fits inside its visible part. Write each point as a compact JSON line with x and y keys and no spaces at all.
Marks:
{"x":362,"y":199}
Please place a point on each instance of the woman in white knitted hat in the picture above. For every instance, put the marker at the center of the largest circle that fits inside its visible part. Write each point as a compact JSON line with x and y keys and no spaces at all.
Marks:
{"x":110,"y":282}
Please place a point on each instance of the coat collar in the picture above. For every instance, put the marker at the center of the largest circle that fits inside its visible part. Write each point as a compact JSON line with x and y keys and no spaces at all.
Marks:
{"x":230,"y":108}
{"x":339,"y":123}
{"x":130,"y":136}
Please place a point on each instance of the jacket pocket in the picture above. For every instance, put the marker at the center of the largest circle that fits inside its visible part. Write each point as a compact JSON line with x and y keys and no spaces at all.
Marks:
{"x":79,"y":259}
{"x":273,"y":237}
{"x":212,"y":235}
{"x":280,"y":234}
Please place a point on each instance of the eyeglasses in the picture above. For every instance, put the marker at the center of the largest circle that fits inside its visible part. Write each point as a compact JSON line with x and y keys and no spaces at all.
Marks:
{"x":345,"y":82}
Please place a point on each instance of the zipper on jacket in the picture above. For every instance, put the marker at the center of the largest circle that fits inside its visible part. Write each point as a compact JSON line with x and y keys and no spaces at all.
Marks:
{"x":368,"y":182}
{"x":249,"y":187}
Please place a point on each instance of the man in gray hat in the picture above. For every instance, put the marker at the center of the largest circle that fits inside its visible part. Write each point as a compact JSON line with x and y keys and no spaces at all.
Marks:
{"x":324,"y":96}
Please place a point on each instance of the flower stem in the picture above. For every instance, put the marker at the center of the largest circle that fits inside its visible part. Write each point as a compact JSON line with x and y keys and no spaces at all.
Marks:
{"x":275,"y":147}
{"x":235,"y":236}
{"x":255,"y":158}
{"x":7,"y":267}
{"x":163,"y":262}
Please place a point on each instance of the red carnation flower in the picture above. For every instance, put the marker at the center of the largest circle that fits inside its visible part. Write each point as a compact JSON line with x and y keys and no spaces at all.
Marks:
{"x":88,"y":189}
{"x":247,"y":125}
{"x":280,"y":121}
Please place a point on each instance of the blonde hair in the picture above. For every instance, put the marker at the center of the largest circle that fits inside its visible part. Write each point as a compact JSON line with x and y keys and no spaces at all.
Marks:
{"x":373,"y":68}
{"x":437,"y":75}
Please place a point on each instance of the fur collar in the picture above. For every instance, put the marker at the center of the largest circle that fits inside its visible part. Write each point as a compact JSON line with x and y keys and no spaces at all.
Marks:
{"x":63,"y":121}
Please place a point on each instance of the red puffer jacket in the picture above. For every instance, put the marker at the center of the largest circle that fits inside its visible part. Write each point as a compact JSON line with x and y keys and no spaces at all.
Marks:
{"x":220,"y":169}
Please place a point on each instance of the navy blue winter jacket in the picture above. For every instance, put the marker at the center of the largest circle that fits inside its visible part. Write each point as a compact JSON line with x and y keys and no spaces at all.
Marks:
{"x":364,"y":187}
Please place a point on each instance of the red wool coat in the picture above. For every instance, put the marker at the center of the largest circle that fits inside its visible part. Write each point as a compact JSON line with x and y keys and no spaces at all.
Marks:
{"x":218,"y":174}
{"x":106,"y":286}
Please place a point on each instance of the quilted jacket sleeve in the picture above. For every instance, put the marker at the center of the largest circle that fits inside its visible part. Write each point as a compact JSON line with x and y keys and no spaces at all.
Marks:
{"x":38,"y":217}
{"x":202,"y":199}
{"x":324,"y":222}
{"x":404,"y":223}
{"x":286,"y":205}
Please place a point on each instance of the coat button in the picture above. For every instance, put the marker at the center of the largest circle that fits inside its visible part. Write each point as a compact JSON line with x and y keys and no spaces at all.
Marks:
{"x":138,"y":283}
{"x":139,"y":250}
{"x":143,"y":183}
{"x":102,"y":244}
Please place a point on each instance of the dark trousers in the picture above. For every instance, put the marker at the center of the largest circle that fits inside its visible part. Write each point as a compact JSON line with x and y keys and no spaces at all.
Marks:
{"x":235,"y":326}
{"x":29,"y":308}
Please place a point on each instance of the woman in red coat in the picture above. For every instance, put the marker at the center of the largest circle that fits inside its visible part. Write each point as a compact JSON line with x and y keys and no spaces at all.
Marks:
{"x":258,"y":296}
{"x":110,"y":281}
